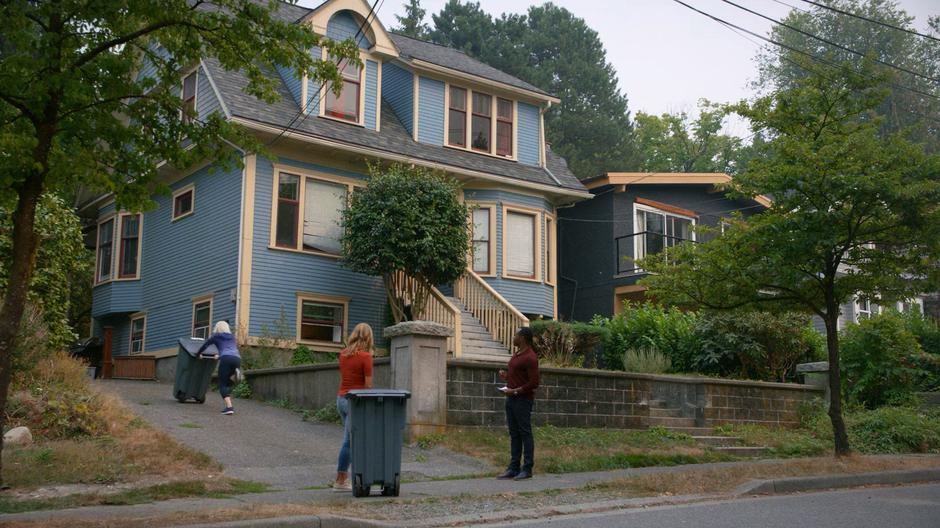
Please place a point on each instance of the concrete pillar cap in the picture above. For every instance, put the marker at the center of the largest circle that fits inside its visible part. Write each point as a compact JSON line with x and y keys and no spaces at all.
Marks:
{"x":426,"y":328}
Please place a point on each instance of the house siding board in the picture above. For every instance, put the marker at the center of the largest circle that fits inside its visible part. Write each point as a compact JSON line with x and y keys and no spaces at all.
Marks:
{"x":293,"y":82}
{"x":528,"y":134}
{"x":343,"y":26}
{"x":430,"y":111}
{"x":116,"y":297}
{"x":120,"y":333}
{"x":277,"y":276}
{"x":398,"y":92}
{"x":372,"y":76}
{"x":313,"y":86}
{"x":207,"y":103}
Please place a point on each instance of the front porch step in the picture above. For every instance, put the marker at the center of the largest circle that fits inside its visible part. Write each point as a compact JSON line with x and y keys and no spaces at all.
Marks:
{"x":477,"y":343}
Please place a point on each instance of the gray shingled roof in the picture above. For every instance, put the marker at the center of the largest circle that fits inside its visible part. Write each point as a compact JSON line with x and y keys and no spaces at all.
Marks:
{"x":393,"y":137}
{"x":410,"y":48}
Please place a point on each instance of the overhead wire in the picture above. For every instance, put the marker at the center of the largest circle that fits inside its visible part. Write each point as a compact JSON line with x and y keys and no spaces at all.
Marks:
{"x":871,"y":20}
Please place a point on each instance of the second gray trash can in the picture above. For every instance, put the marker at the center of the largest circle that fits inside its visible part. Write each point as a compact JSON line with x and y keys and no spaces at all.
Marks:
{"x":377,"y":425}
{"x":194,"y":370}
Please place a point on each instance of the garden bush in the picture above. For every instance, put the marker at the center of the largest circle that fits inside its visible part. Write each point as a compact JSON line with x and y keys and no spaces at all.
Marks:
{"x":755,"y":345}
{"x":669,"y":330}
{"x":878,"y":364}
{"x":646,"y":360}
{"x":894,"y":430}
{"x":562,"y":344}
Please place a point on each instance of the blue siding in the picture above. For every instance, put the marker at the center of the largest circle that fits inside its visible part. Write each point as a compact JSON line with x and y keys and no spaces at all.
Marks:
{"x":431,"y":111}
{"x":116,"y":297}
{"x":207,"y":103}
{"x":398,"y":91}
{"x":277,"y":276}
{"x":528,"y":297}
{"x":147,"y":67}
{"x":120,"y":335}
{"x":293,"y":80}
{"x":343,"y":26}
{"x":313,"y":87}
{"x":372,"y":85}
{"x":528,"y":134}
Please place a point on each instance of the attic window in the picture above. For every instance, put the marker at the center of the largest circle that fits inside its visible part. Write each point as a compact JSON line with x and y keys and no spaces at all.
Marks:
{"x":480,"y":122}
{"x":346,"y":106}
{"x":188,"y":112}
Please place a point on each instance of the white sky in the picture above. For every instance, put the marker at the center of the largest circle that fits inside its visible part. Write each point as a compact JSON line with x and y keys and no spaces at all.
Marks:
{"x":666,"y":56}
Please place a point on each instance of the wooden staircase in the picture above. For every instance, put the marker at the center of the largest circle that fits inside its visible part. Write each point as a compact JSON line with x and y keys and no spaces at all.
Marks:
{"x":477,"y":341}
{"x":672,"y":419}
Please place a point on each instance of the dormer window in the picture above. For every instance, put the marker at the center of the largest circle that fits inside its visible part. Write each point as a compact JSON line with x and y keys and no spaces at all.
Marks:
{"x":475,"y":119}
{"x":346,"y":106}
{"x":188,"y":112}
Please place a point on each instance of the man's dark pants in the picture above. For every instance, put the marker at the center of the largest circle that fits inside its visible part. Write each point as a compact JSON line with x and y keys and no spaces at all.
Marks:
{"x":519,"y":420}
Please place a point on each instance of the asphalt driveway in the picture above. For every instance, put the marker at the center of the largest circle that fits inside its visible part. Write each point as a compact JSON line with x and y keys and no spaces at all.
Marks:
{"x":265,"y":443}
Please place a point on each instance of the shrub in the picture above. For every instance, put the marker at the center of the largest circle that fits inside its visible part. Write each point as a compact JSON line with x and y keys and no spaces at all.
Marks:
{"x":328,"y":414}
{"x":669,"y":330}
{"x":242,"y":390}
{"x":894,"y":430}
{"x":877,"y":365}
{"x":755,"y":345}
{"x":302,"y":356}
{"x":565,"y":344}
{"x":647,"y":360}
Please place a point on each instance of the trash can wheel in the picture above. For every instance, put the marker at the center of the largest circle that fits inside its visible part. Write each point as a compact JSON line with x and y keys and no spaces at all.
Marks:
{"x":200,"y":400}
{"x":358,"y":489}
{"x":181,"y":397}
{"x":392,"y":490}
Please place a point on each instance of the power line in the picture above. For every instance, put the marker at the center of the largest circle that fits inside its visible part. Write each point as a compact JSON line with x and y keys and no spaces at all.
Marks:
{"x":872,"y":20}
{"x":303,"y":113}
{"x":831,"y":43}
{"x":793,"y":49}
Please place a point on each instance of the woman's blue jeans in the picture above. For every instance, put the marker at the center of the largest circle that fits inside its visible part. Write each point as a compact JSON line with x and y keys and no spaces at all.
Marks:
{"x":342,"y":405}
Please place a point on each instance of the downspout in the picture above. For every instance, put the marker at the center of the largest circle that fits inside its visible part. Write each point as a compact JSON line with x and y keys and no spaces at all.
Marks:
{"x":241,"y":230}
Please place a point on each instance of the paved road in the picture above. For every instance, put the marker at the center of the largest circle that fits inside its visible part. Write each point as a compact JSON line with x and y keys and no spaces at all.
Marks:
{"x":265,"y":443}
{"x":900,"y":507}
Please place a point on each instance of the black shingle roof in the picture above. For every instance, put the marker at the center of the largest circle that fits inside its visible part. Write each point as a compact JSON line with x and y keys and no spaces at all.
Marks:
{"x":393,"y":137}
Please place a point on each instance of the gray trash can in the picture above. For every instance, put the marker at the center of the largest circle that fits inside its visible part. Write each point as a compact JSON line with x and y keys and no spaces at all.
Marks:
{"x":377,"y":423}
{"x":194,"y":370}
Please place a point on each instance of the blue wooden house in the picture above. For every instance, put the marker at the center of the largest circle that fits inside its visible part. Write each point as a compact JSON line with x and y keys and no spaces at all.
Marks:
{"x":254,"y":244}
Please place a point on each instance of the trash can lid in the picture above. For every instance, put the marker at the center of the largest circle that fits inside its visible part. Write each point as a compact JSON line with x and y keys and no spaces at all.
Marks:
{"x":378,"y":393}
{"x":192,"y":346}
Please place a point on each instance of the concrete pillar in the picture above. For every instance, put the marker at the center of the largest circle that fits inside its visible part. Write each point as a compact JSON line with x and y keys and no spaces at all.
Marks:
{"x":817,"y":375}
{"x":419,"y":365}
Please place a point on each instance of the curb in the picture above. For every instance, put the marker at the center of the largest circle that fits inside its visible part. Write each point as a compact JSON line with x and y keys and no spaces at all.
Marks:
{"x":297,"y":521}
{"x":797,"y":484}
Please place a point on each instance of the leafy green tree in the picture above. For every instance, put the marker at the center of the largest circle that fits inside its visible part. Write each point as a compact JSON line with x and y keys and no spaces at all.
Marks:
{"x":412,"y":24}
{"x":854,"y":211}
{"x":74,"y":111}
{"x":409,"y":228}
{"x":557,"y":52}
{"x":674,"y":143}
{"x":903,"y":109}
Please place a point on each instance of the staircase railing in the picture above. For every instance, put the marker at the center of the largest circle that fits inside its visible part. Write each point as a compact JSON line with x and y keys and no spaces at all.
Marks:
{"x":440,"y":310}
{"x":500,"y":317}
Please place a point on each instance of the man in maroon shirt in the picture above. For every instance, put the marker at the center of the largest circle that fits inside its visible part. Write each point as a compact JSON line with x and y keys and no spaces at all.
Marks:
{"x":521,"y":382}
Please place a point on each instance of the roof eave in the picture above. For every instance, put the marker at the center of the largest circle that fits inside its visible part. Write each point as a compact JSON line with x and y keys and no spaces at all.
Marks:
{"x":430,"y":67}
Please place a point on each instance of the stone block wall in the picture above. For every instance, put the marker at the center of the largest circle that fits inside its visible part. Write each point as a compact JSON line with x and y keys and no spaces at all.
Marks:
{"x":597,"y":398}
{"x":309,"y":386}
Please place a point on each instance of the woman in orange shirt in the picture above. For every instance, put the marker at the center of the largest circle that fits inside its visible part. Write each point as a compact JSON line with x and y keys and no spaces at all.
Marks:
{"x":355,"y":372}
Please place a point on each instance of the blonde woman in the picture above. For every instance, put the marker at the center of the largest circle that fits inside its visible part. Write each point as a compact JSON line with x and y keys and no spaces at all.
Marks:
{"x":230,"y":361}
{"x":355,"y":372}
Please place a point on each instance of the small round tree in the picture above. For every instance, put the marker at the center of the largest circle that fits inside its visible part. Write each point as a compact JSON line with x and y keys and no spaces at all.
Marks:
{"x":409,"y":228}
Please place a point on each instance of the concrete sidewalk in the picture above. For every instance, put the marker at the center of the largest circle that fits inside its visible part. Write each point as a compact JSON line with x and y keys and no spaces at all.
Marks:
{"x":264,"y":443}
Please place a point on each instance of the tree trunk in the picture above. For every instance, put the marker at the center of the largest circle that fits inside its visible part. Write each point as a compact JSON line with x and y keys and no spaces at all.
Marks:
{"x":840,"y":437}
{"x":25,"y":246}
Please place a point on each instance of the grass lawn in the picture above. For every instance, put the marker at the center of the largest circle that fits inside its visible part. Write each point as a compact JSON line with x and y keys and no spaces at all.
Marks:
{"x":569,"y":450}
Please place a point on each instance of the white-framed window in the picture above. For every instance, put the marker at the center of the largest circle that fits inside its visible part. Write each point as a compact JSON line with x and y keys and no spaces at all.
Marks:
{"x":184,"y":201}
{"x":911,"y":305}
{"x":138,"y":328}
{"x":308,"y":212}
{"x":104,"y":254}
{"x":129,"y":260}
{"x":188,"y":94}
{"x":864,"y":309}
{"x":483,"y":261}
{"x":656,"y":229}
{"x":347,"y":106}
{"x":123,"y":262}
{"x":202,"y":317}
{"x":321,"y":319}
{"x":480,"y":122}
{"x":521,"y":244}
{"x":551,"y":251}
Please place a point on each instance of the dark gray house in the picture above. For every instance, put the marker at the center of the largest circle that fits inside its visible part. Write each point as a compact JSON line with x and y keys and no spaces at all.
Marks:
{"x":630,"y":216}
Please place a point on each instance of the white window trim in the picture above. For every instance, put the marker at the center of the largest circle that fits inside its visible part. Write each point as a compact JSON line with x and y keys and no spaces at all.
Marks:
{"x":492,"y":206}
{"x":551,"y":248}
{"x":538,"y":222}
{"x":187,"y":73}
{"x":210,"y":298}
{"x":364,"y":56}
{"x":177,"y":193}
{"x":325,"y":299}
{"x":143,"y":334}
{"x":641,"y":207}
{"x":350,"y":183}
{"x":469,"y":120}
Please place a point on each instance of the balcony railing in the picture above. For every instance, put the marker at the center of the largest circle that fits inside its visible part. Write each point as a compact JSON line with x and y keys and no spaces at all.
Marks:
{"x":644,"y":243}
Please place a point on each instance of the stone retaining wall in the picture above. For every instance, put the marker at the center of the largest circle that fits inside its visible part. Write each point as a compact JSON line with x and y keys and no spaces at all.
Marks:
{"x":599,"y":398}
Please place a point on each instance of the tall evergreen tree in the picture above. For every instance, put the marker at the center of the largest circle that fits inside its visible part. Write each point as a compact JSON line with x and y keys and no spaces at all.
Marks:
{"x":464,"y":26}
{"x":412,"y":24}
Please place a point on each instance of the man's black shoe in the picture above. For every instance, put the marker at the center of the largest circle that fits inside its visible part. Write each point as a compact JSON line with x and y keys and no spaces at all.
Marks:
{"x":523,"y":475}
{"x":508,"y":475}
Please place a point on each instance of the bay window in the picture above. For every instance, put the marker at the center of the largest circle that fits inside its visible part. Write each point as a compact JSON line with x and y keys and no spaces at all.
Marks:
{"x":104,"y":255}
{"x":130,"y":246}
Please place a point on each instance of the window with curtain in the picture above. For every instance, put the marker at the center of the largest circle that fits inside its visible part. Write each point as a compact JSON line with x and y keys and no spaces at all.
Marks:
{"x":481,"y":240}
{"x":457,"y":118}
{"x":105,"y":245}
{"x":321,"y":321}
{"x":130,"y":246}
{"x":324,"y":203}
{"x":288,"y":207}
{"x":520,"y":244}
{"x":346,"y":105}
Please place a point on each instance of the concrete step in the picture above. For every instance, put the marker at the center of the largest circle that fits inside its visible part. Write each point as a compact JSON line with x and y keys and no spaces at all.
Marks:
{"x":477,"y":351}
{"x":658,"y":412}
{"x":486,"y":358}
{"x":671,"y":423}
{"x":718,"y":441}
{"x":743,"y":451}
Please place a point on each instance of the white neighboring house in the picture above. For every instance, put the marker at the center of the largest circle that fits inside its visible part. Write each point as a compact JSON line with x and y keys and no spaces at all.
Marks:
{"x":861,"y":308}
